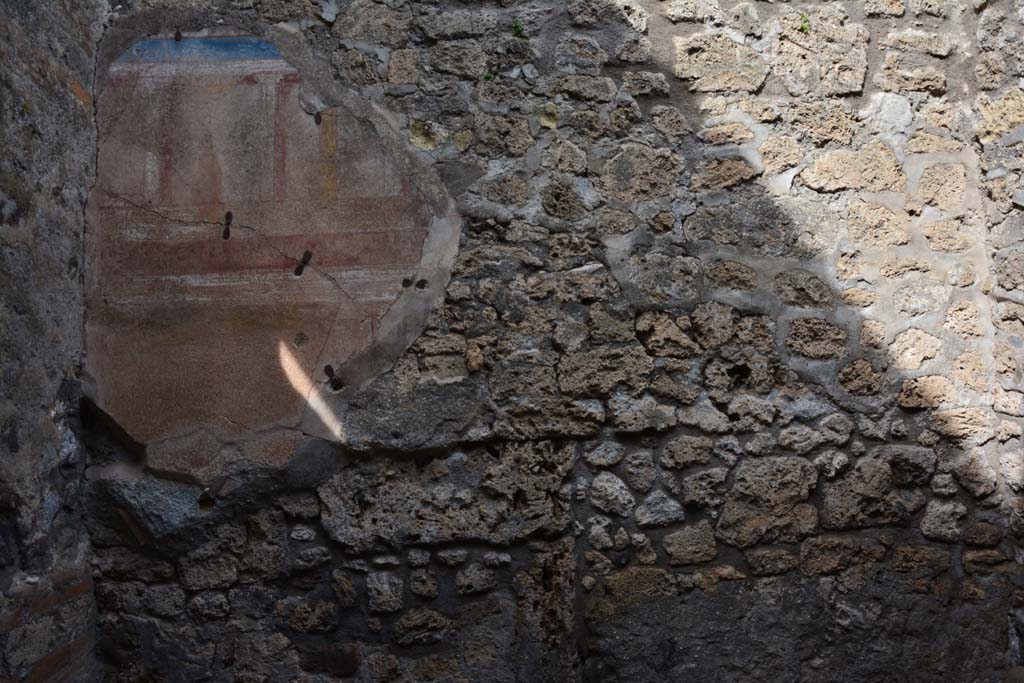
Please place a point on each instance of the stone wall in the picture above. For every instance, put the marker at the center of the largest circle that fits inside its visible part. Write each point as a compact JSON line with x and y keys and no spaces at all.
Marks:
{"x":725,"y":384}
{"x":47,"y":152}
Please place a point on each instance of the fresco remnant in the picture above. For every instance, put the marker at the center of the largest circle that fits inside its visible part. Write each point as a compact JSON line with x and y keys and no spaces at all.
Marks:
{"x":229,"y":226}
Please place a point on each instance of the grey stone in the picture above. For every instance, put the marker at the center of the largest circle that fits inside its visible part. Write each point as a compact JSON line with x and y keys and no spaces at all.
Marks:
{"x":864,"y":496}
{"x":684,"y":451}
{"x":705,"y":417}
{"x":910,"y":465}
{"x":658,"y":509}
{"x":644,"y":413}
{"x":421,"y":626}
{"x":159,"y":507}
{"x":385,"y":591}
{"x":941,"y":521}
{"x":610,"y":494}
{"x":475,"y":578}
{"x":767,"y":502}
{"x":605,"y":454}
{"x":802,"y":288}
{"x":639,"y":470}
{"x":917,"y":299}
{"x":691,"y":545}
{"x":705,"y":489}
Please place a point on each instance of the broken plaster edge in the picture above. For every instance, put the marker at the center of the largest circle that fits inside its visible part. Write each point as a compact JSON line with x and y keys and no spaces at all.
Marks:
{"x":405,"y":319}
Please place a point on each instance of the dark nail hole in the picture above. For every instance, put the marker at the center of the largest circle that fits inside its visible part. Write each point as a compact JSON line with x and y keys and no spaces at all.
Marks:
{"x":206,"y":501}
{"x":307,"y":256}
{"x":227,"y":232}
{"x":299,"y":268}
{"x":329,"y":371}
{"x":421,"y":284}
{"x":407,"y":282}
{"x":228,"y":217}
{"x":317,"y":118}
{"x":177,"y":36}
{"x":336,"y":384}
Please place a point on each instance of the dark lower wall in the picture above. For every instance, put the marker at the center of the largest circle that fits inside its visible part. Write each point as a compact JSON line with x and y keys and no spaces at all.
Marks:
{"x":273,"y":596}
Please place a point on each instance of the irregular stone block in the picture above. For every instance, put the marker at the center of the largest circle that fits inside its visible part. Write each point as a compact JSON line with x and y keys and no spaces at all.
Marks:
{"x":465,"y":497}
{"x":610,"y":494}
{"x":691,"y":545}
{"x":597,"y":371}
{"x":1001,"y":115}
{"x":802,"y":288}
{"x":384,"y":591}
{"x":766,"y":503}
{"x":638,"y":172}
{"x":816,"y":338}
{"x":421,"y":626}
{"x":873,"y":167}
{"x":920,"y":298}
{"x":821,"y":51}
{"x":658,"y":509}
{"x":898,"y":75}
{"x":911,"y":348}
{"x":864,"y":496}
{"x":941,"y":521}
{"x":925,"y":392}
{"x":714,"y":62}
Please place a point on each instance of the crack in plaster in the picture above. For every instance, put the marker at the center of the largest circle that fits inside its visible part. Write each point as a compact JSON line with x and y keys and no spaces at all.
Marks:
{"x":254,"y":230}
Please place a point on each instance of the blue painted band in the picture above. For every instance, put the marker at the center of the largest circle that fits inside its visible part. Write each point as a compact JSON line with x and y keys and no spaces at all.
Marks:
{"x":220,"y":49}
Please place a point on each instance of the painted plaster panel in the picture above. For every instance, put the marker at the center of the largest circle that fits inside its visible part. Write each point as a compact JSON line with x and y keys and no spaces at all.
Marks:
{"x":238,"y":245}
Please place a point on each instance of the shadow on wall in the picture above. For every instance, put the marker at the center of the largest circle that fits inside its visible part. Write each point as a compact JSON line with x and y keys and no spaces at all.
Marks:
{"x":841,"y":236}
{"x":754,"y":359}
